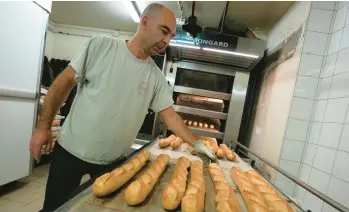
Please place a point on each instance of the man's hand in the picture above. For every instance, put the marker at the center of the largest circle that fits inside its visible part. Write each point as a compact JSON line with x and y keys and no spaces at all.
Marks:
{"x":201,"y":148}
{"x":38,"y":140}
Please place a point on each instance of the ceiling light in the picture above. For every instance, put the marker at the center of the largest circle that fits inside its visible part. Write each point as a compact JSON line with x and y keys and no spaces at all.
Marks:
{"x":230,"y":52}
{"x":132,"y":10}
{"x":184,"y":46}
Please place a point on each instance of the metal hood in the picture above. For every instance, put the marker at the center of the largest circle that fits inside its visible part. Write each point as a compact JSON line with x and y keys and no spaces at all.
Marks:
{"x":213,"y":47}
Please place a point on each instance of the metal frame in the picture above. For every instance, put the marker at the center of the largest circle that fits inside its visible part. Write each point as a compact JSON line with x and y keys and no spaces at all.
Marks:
{"x":200,"y":112}
{"x":206,"y":68}
{"x":236,"y":107}
{"x":207,"y":133}
{"x":202,"y":92}
{"x":317,"y":193}
{"x":18,"y":94}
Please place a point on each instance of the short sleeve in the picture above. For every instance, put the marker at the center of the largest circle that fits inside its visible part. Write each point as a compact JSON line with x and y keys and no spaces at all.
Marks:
{"x":80,"y":62}
{"x":162,"y":97}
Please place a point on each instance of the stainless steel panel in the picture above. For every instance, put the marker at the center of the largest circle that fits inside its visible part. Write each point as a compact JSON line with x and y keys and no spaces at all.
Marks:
{"x":206,"y":68}
{"x":200,"y":112}
{"x":207,"y":133}
{"x":19,"y":93}
{"x":236,"y":107}
{"x":251,"y":46}
{"x":202,"y":92}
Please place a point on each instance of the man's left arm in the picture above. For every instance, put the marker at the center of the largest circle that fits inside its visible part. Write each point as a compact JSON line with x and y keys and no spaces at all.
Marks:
{"x":175,"y":123}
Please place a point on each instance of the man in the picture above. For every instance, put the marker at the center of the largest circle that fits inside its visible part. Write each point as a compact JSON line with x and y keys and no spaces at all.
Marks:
{"x":118,"y":82}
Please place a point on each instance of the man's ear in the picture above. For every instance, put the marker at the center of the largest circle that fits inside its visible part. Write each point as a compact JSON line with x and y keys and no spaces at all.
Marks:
{"x":144,"y":22}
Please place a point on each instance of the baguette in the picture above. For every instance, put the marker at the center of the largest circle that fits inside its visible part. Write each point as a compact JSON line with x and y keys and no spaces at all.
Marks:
{"x":273,"y":199}
{"x":190,"y":122}
{"x":253,"y":198}
{"x":201,"y":124}
{"x":112,"y":181}
{"x":229,"y":154}
{"x":191,"y":150}
{"x":220,"y":153}
{"x":139,"y":189}
{"x":226,"y":200}
{"x":175,"y":189}
{"x":176,"y":143}
{"x":165,"y":142}
{"x":206,"y":125}
{"x":195,"y":123}
{"x":194,"y":198}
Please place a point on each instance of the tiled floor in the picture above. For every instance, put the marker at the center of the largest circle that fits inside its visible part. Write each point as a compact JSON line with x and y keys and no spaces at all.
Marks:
{"x":27,"y":194}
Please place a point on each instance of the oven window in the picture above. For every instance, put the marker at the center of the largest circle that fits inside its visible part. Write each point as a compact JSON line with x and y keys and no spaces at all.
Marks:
{"x":206,"y":81}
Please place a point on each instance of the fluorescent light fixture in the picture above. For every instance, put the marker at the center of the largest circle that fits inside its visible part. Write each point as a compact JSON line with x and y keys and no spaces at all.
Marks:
{"x":132,"y":10}
{"x":185,"y":41}
{"x":230,"y":52}
{"x":184,"y":46}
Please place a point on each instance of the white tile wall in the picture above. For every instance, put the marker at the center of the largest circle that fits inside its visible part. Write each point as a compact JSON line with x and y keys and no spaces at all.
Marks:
{"x":330,"y":64}
{"x":328,"y":5}
{"x":296,"y":129}
{"x":328,"y":208}
{"x":310,"y":65}
{"x":341,"y":166}
{"x":320,"y":20}
{"x":312,"y":203}
{"x":286,"y":186}
{"x":330,"y":135}
{"x":347,"y":117}
{"x":315,"y":130}
{"x":345,"y":39}
{"x":344,"y":142}
{"x":309,"y":154}
{"x":315,"y":43}
{"x":320,"y":108}
{"x":335,"y":42}
{"x":292,"y":150}
{"x":304,"y":173}
{"x":339,"y":87}
{"x":319,"y":180}
{"x":342,"y":64}
{"x":347,"y":20}
{"x":336,"y":110}
{"x":339,"y":190}
{"x":299,"y":193}
{"x":301,"y":108}
{"x":340,"y":19}
{"x":341,"y":4}
{"x":289,"y":166}
{"x":305,"y":87}
{"x":324,"y":88}
{"x":324,"y":159}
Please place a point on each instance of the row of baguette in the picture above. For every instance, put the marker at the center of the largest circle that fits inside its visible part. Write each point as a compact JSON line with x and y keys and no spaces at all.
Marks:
{"x":221,"y":151}
{"x":259,"y":196}
{"x":198,"y":124}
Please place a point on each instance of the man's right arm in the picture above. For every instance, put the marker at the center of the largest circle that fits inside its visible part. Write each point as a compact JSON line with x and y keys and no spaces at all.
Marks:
{"x":57,"y":94}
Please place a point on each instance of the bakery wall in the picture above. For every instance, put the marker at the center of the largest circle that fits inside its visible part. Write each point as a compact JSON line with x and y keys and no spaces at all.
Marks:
{"x":285,"y":41}
{"x":324,"y":162}
{"x":65,"y":41}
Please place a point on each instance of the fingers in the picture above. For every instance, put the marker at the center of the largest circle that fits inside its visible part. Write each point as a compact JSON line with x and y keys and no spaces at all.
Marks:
{"x":35,"y":151}
{"x":48,"y":146}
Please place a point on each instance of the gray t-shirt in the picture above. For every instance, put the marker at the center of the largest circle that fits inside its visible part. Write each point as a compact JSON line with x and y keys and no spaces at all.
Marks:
{"x":115,"y":91}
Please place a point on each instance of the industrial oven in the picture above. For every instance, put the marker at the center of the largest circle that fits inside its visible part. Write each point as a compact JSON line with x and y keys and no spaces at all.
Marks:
{"x":208,"y":79}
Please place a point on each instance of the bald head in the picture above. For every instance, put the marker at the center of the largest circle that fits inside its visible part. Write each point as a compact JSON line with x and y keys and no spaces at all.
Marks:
{"x":156,"y":27}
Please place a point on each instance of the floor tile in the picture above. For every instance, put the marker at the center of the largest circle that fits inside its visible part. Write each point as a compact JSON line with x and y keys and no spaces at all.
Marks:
{"x":22,"y":196}
{"x":11,"y":206}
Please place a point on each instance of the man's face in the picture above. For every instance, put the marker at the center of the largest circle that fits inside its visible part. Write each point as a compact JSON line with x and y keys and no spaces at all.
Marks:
{"x":158,"y":31}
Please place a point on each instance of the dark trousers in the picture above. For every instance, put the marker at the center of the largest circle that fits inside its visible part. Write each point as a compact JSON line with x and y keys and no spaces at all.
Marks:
{"x":65,"y":174}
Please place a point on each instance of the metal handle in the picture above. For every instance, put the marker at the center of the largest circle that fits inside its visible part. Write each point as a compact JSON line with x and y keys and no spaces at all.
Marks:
{"x":317,"y":193}
{"x":4,"y":92}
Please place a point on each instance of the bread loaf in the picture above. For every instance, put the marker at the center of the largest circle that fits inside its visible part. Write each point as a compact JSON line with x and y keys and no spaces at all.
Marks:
{"x":176,"y":143}
{"x":190,"y":122}
{"x":273,"y":199}
{"x":191,"y":150}
{"x":226,"y":200}
{"x":206,"y":125}
{"x":175,"y":189}
{"x":229,"y":154}
{"x":139,"y":189}
{"x":111,"y":181}
{"x":201,"y":124}
{"x":253,"y":198}
{"x":194,"y":198}
{"x":220,"y":153}
{"x":167,"y":141}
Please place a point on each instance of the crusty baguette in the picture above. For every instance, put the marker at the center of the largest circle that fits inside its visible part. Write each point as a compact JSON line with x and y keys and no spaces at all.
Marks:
{"x":229,"y":154}
{"x":226,"y":200}
{"x":206,"y":125}
{"x":139,"y":189}
{"x":211,"y":126}
{"x":273,"y":199}
{"x":189,"y":122}
{"x":253,"y":198}
{"x":201,"y":124}
{"x":220,"y":153}
{"x":111,"y":181}
{"x":191,"y":150}
{"x":167,"y":141}
{"x":176,"y":143}
{"x":175,"y":189}
{"x":194,"y":198}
